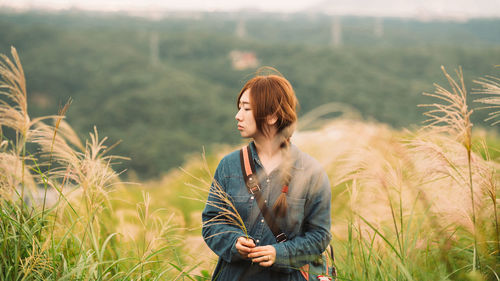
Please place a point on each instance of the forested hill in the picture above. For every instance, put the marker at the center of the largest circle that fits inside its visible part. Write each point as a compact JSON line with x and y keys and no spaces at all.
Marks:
{"x":167,"y":87}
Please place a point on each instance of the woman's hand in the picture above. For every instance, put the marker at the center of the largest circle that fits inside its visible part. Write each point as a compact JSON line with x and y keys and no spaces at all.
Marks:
{"x":264,"y":255}
{"x":244,"y":246}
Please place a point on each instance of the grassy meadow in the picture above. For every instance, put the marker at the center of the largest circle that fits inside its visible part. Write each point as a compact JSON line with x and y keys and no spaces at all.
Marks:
{"x":416,"y":204}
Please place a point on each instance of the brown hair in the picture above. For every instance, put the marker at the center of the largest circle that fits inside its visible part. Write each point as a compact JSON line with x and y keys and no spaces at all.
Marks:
{"x":273,"y":95}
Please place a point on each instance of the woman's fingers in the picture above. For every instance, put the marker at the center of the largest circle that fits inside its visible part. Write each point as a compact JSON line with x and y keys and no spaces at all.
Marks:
{"x":259,"y":254}
{"x":265,"y":260}
{"x":246,"y":242}
{"x":262,"y":250}
{"x":267,"y":263}
{"x":244,"y":246}
{"x":264,"y":255}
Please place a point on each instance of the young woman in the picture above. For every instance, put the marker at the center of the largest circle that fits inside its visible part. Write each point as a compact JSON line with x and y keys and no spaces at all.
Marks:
{"x":267,"y":115}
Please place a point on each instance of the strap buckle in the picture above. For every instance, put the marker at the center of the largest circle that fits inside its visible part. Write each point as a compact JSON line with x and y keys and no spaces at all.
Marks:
{"x":253,"y":184}
{"x":281,"y":237}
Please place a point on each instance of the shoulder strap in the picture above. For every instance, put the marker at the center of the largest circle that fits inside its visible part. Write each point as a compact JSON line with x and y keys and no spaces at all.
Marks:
{"x":253,"y":186}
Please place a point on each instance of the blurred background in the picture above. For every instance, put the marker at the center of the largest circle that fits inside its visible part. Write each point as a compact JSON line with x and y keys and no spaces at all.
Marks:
{"x":163,"y":76}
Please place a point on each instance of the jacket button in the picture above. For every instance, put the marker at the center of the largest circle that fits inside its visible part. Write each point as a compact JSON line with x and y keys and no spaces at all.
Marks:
{"x":251,"y":197}
{"x":262,"y":220}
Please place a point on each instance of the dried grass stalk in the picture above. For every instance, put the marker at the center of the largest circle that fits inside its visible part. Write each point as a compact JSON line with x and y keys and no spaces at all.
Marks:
{"x":13,"y":86}
{"x":453,"y":115}
{"x":490,"y":87}
{"x":219,"y":199}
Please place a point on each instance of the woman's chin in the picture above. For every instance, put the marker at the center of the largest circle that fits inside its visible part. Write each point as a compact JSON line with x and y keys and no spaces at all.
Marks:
{"x":244,"y":135}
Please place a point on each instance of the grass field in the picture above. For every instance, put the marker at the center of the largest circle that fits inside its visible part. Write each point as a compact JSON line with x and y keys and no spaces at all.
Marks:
{"x":417,"y":204}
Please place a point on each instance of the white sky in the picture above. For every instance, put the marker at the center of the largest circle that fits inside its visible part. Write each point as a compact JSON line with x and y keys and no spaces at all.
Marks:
{"x":204,"y":5}
{"x":357,"y":7}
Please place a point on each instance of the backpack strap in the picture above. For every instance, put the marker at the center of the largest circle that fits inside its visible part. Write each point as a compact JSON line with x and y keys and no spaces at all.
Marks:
{"x":253,"y":186}
{"x":248,"y":170}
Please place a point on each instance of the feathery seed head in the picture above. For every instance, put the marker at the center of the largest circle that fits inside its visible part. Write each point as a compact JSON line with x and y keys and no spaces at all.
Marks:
{"x":452,"y":116}
{"x":491,"y":88}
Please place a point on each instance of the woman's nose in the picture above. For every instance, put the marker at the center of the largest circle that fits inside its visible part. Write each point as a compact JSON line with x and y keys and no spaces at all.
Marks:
{"x":238,"y":115}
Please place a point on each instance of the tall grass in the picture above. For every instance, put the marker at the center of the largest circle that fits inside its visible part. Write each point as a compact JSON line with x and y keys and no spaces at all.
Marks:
{"x":57,"y":220}
{"x":452,"y":117}
{"x":401,"y":205}
{"x":407,"y":205}
{"x":413,"y":205}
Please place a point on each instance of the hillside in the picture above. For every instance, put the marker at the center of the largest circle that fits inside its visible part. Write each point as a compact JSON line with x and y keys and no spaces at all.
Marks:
{"x":170,"y":98}
{"x":417,"y":204}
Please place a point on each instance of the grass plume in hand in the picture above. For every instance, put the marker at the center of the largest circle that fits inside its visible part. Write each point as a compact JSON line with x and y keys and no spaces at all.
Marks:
{"x":219,"y":199}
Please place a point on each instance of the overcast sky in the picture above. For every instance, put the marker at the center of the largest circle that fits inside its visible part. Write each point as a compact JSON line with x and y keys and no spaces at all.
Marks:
{"x":227,"y":5}
{"x":357,"y":7}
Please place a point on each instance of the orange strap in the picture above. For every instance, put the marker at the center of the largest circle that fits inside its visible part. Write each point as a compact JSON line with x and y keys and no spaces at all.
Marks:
{"x":248,"y":168}
{"x":305,"y":271}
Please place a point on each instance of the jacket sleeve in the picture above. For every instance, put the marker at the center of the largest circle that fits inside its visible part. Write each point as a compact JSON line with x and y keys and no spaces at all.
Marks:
{"x":219,"y":230}
{"x":304,"y":248}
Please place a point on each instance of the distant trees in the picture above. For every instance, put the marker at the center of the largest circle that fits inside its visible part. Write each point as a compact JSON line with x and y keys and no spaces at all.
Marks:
{"x":186,"y":100}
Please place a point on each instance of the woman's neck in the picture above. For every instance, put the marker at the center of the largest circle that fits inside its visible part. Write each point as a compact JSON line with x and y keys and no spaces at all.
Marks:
{"x":267,"y":147}
{"x":269,"y":151}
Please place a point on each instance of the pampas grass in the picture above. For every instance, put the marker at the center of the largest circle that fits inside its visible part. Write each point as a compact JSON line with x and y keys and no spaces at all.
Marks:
{"x":401,"y":203}
{"x":412,"y":205}
{"x":74,"y":237}
{"x":219,"y":199}
{"x":490,"y":88}
{"x":407,"y":205}
{"x":452,"y":117}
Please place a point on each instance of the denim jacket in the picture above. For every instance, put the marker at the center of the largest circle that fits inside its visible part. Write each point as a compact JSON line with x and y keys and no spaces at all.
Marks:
{"x":307,"y":223}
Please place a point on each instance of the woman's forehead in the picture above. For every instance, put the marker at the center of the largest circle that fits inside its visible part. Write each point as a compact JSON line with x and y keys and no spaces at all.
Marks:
{"x":245,"y":97}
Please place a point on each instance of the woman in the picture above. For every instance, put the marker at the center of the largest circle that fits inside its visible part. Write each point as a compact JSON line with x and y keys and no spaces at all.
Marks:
{"x":267,"y":114}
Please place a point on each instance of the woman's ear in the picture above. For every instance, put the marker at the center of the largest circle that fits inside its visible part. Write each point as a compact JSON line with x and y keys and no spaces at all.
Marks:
{"x":272,"y":119}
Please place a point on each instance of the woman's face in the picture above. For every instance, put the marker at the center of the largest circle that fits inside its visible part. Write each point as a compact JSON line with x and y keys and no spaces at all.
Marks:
{"x":246,"y":121}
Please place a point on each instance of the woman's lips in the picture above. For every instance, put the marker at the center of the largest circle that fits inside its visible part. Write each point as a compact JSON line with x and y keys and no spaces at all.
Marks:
{"x":240,"y":128}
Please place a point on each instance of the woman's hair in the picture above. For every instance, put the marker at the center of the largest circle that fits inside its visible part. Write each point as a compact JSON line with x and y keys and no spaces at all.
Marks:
{"x":273,"y":95}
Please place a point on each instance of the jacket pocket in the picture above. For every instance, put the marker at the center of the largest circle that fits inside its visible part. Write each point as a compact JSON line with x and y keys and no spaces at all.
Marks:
{"x":242,"y":205}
